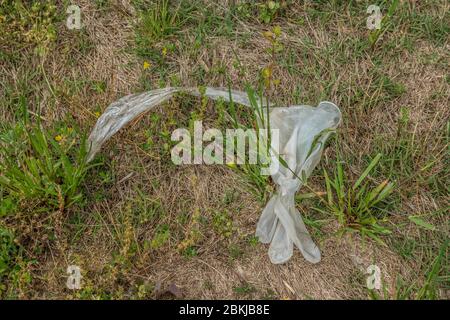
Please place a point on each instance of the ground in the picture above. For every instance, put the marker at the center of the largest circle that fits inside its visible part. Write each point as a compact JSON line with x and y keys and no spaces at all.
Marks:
{"x":143,"y":224}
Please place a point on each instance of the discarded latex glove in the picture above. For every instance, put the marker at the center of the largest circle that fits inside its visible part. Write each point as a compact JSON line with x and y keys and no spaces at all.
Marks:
{"x":303,"y":131}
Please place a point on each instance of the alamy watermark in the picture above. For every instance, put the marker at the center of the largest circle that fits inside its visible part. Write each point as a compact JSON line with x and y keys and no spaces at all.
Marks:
{"x":73,"y":21}
{"x":373,"y":281}
{"x":74,"y":17}
{"x":74,"y":278}
{"x":374,"y":20}
{"x":190,"y":150}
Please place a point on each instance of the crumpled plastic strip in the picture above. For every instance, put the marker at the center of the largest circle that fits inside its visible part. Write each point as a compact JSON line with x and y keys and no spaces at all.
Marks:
{"x":303,"y":131}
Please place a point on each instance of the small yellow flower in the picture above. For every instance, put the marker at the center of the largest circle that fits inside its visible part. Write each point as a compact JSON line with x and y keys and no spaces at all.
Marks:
{"x":58,"y":137}
{"x":164,"y":51}
{"x":146,"y":65}
{"x":267,"y":72}
{"x":276,"y":82}
{"x":97,"y":114}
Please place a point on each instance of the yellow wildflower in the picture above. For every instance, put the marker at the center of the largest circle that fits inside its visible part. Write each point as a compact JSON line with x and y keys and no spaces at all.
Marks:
{"x":164,"y":51}
{"x":97,"y":113}
{"x":146,"y":65}
{"x":267,"y":72}
{"x":58,"y":137}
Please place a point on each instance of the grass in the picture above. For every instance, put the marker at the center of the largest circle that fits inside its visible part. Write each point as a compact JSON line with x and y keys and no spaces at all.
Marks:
{"x":357,"y":206}
{"x":428,"y":290}
{"x":9,"y":251}
{"x":158,"y":22}
{"x":135,"y":221}
{"x":39,"y":171}
{"x":31,"y":25}
{"x":385,"y":22}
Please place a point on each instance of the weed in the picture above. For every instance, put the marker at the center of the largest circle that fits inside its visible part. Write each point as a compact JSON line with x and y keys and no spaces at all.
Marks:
{"x":190,"y":252}
{"x":147,"y":209}
{"x":429,"y":27}
{"x":413,"y":157}
{"x":192,"y":236}
{"x":244,"y":289}
{"x":8,"y":253}
{"x":356,"y":206}
{"x":229,"y":197}
{"x":157,"y":22}
{"x":400,"y":154}
{"x":235,"y":251}
{"x":428,"y":290}
{"x":45,"y":170}
{"x":223,"y":224}
{"x":27,"y":25}
{"x":258,"y":118}
{"x":161,"y":237}
{"x":253,"y":240}
{"x":270,"y":10}
{"x":392,"y":89}
{"x":386,"y":22}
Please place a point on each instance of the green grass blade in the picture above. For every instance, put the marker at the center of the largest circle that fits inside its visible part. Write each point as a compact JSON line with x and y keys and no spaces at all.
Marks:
{"x":372,"y":164}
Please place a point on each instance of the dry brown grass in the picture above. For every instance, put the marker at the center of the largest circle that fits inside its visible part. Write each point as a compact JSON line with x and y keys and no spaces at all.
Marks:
{"x":109,"y":247}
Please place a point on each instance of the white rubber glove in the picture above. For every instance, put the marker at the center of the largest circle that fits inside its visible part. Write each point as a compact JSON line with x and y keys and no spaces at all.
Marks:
{"x":303,"y":131}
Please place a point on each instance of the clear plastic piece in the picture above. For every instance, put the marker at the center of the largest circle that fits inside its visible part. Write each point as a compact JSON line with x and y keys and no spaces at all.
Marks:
{"x":303,"y":131}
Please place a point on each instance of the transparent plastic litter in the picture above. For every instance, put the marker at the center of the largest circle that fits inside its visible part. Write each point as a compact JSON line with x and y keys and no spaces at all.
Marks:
{"x":303,"y":131}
